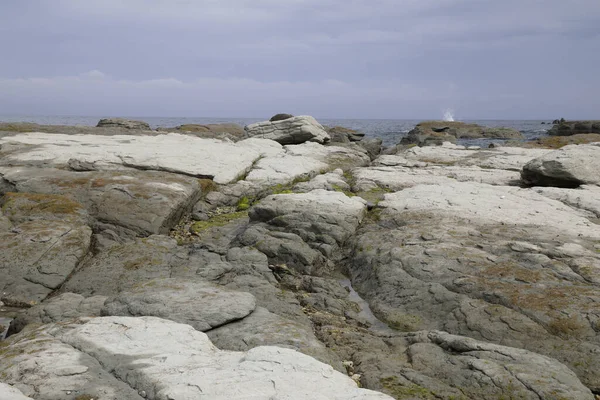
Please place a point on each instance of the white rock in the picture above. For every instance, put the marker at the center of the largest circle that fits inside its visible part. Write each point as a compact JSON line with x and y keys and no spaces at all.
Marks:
{"x":223,"y":161}
{"x":173,"y":361}
{"x":8,"y":392}
{"x":398,"y":178}
{"x":483,"y":203}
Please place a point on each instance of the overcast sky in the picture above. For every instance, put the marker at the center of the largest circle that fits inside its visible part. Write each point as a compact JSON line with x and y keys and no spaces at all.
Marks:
{"x":485,"y":59}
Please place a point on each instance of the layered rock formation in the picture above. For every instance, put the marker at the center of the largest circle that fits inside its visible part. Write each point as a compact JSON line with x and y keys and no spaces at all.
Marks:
{"x":260,"y":270}
{"x":294,"y":130}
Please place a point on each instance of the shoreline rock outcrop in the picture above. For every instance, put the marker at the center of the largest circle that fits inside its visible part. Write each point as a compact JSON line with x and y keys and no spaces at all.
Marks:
{"x":123,"y":123}
{"x":436,"y":132}
{"x":569,"y":128}
{"x":157,"y":265}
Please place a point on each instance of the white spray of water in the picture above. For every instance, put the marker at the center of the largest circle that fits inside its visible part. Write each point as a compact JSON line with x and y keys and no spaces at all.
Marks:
{"x":449,"y":115}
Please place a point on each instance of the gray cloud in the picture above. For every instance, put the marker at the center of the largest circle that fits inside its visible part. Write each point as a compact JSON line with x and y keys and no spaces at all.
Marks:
{"x":378,"y":58}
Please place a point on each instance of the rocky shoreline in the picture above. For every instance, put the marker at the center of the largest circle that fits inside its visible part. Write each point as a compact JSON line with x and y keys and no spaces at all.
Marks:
{"x":290,"y":260}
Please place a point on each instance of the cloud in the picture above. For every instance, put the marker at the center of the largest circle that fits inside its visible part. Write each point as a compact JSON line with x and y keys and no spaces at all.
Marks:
{"x":243,"y":57}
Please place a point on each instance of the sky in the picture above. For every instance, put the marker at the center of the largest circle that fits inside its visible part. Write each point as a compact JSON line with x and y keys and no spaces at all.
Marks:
{"x":394,"y":59}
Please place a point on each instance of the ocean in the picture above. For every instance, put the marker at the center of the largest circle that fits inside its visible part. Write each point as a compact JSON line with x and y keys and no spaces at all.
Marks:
{"x":389,"y":130}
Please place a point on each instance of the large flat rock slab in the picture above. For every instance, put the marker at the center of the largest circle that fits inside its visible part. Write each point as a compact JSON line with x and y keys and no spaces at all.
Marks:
{"x":47,"y":238}
{"x":199,"y":304}
{"x":221,"y":161}
{"x":165,"y":360}
{"x":127,"y":265}
{"x":511,"y":158}
{"x":483,"y":203}
{"x":144,"y":202}
{"x":400,"y":177}
{"x":43,"y":367}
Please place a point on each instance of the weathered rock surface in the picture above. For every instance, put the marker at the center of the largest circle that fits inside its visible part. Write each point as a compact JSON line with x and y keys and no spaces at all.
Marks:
{"x":202,"y":305}
{"x":293,"y":130}
{"x":45,"y":242}
{"x":323,"y":219}
{"x":333,"y":181}
{"x":398,"y":177}
{"x":127,"y":265}
{"x":568,"y":128}
{"x":263,"y":328}
{"x":143,"y":202}
{"x":586,"y":197}
{"x":8,"y":392}
{"x":59,"y":308}
{"x":437,"y":132}
{"x":44,"y":367}
{"x":204,"y":158}
{"x":230,"y":131}
{"x":569,"y":166}
{"x":500,"y":264}
{"x":344,"y":135}
{"x":122,"y":123}
{"x":163,"y":360}
{"x":510,"y":158}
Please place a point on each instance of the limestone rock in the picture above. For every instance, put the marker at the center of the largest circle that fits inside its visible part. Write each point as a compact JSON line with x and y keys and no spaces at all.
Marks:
{"x":569,"y":166}
{"x":42,"y":366}
{"x":60,"y":308}
{"x":399,"y":177}
{"x":127,"y":264}
{"x":229,"y":131}
{"x":344,"y":135}
{"x":204,"y":158}
{"x":263,"y":328}
{"x":319,"y":217}
{"x":491,"y":370}
{"x":8,"y":392}
{"x":142,"y":202}
{"x":122,"y":123}
{"x":164,"y":359}
{"x":48,"y":238}
{"x":199,"y":304}
{"x":293,"y":130}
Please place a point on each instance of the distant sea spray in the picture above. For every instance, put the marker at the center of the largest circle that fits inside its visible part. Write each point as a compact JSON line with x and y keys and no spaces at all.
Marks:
{"x":448,"y":115}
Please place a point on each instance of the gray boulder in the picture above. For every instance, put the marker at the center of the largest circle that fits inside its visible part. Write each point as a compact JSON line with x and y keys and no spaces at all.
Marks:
{"x":199,"y":304}
{"x":569,"y":166}
{"x":294,"y":130}
{"x":123,"y":123}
